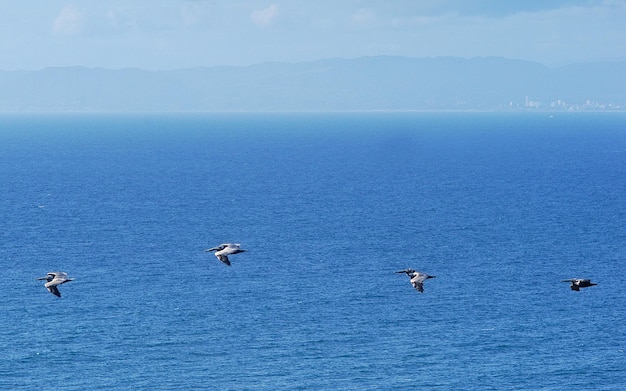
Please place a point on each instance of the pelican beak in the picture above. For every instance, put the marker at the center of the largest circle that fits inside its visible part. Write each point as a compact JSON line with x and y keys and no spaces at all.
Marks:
{"x":41,"y":278}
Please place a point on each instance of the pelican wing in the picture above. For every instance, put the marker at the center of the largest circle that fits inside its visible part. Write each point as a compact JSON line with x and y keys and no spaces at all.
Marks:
{"x":417,"y":280}
{"x":223,"y":258}
{"x":53,"y":289}
{"x":59,"y":278}
{"x":417,"y":285}
{"x":225,"y":246}
{"x":233,"y":248}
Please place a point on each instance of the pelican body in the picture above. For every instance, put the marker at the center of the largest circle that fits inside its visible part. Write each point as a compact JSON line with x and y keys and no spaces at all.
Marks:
{"x":54,"y":279}
{"x":578,"y":283}
{"x":417,"y":278}
{"x":224,"y":250}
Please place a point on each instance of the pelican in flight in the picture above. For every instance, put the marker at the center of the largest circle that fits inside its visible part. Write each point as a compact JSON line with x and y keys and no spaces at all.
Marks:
{"x":417,"y":278}
{"x":224,"y":250}
{"x":578,"y":283}
{"x":54,"y":279}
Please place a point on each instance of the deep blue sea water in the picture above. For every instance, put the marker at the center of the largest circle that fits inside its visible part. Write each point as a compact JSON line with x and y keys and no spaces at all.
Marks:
{"x":500,"y":207}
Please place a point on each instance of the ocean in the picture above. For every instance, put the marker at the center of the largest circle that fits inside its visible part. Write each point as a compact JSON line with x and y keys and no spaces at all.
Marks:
{"x":500,"y":207}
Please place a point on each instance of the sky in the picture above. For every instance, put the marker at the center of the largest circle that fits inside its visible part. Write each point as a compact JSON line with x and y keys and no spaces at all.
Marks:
{"x":173,"y":34}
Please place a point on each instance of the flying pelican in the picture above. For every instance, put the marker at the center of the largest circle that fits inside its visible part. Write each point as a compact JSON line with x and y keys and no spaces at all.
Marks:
{"x":53,"y":280}
{"x":417,"y":278}
{"x":224,"y":250}
{"x":578,"y":283}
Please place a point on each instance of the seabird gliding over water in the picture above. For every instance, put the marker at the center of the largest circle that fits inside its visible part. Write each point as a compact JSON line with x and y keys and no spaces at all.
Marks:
{"x":578,"y":283}
{"x":224,"y":250}
{"x":53,"y":280}
{"x":417,"y":278}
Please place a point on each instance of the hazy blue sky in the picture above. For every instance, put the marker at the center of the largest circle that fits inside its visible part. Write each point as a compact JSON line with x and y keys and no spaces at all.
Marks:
{"x":168,"y":34}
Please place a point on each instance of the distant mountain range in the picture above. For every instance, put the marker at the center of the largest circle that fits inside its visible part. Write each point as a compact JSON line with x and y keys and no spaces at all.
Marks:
{"x":367,"y":83}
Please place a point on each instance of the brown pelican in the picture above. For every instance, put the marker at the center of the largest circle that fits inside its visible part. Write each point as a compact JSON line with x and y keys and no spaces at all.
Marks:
{"x":224,"y":250}
{"x":578,"y":283}
{"x":53,"y":280}
{"x":417,"y":278}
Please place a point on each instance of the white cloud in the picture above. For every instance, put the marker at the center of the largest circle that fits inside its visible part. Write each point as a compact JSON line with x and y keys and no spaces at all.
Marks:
{"x":265,"y":17}
{"x":190,"y":14}
{"x":363,"y":18}
{"x":68,"y":22}
{"x":166,"y":34}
